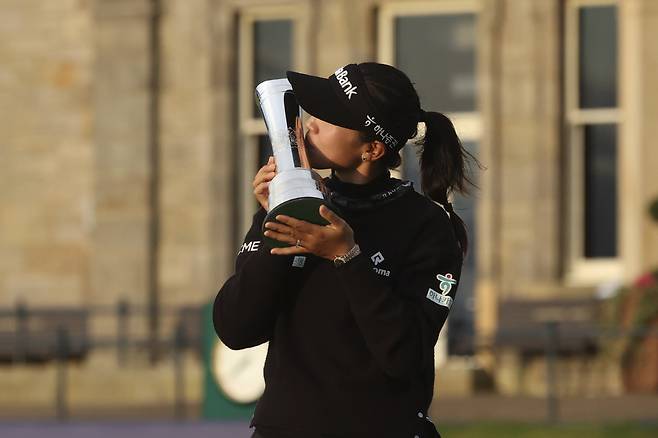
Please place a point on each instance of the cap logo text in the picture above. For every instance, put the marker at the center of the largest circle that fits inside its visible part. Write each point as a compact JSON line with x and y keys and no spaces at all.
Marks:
{"x":345,"y":84}
{"x":386,"y":137}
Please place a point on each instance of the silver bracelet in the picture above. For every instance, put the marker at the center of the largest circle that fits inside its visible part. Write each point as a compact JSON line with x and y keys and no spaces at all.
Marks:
{"x":340,"y":260}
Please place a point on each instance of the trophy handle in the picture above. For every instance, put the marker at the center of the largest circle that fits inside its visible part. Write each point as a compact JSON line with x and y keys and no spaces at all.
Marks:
{"x":291,"y":108}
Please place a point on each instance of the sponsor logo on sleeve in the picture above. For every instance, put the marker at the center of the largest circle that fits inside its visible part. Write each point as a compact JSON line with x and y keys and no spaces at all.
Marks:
{"x":446,"y":281}
{"x":250,"y":246}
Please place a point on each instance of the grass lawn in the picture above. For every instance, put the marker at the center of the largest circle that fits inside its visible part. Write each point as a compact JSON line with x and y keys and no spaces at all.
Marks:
{"x":523,"y":430}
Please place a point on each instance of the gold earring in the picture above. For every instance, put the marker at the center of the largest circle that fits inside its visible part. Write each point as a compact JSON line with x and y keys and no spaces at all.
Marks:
{"x":364,"y":157}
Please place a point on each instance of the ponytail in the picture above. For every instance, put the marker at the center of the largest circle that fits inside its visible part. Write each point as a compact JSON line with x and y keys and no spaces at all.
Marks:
{"x":443,"y":162}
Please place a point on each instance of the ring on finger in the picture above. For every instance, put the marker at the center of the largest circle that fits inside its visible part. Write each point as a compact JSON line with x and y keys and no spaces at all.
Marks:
{"x":299,"y":243}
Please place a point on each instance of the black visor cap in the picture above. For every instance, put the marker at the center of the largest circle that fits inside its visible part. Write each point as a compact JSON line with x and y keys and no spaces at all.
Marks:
{"x":318,"y":98}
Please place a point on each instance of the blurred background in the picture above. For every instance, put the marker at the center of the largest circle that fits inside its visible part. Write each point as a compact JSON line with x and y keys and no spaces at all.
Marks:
{"x":129,"y":138}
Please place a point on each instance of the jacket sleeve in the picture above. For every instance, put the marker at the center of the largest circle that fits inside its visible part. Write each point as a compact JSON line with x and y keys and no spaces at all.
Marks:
{"x":246,"y":307}
{"x":401,"y":322}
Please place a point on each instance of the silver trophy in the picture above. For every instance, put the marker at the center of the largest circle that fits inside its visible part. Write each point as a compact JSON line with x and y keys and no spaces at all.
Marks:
{"x":293,"y":191}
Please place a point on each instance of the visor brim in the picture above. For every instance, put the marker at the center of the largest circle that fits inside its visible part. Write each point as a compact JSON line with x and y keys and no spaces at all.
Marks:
{"x":317,"y":97}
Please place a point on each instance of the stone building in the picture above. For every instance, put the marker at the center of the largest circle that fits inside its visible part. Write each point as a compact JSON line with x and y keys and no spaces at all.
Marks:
{"x":129,"y":138}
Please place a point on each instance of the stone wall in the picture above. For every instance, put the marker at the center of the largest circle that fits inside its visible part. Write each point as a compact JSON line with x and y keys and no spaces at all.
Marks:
{"x":125,"y":142}
{"x":46,"y":153}
{"x":187,"y":155}
{"x":528,"y":142}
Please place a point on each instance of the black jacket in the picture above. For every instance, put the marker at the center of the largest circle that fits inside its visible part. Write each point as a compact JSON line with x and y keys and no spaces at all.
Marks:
{"x":351,"y":350}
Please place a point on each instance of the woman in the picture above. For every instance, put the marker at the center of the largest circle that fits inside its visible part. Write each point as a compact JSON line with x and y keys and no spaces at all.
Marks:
{"x":353,"y":309}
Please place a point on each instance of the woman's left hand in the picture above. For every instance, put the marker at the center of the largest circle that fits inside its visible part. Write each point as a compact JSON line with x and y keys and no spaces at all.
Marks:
{"x":326,"y":241}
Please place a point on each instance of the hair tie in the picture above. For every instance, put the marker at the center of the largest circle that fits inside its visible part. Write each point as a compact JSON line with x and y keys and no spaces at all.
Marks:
{"x":422,"y":116}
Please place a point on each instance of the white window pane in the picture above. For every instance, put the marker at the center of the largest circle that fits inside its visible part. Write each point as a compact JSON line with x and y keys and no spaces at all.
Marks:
{"x":600,"y":191}
{"x":598,"y":56}
{"x":438,"y":54}
{"x":272,"y":51}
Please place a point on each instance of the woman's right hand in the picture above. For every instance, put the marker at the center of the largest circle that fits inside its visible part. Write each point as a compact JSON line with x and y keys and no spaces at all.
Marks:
{"x":262,"y":182}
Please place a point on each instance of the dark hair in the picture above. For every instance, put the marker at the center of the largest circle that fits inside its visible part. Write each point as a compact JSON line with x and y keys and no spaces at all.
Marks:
{"x":443,"y":159}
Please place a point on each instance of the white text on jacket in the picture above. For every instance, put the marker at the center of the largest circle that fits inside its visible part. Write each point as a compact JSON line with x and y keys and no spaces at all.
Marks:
{"x":250,"y":246}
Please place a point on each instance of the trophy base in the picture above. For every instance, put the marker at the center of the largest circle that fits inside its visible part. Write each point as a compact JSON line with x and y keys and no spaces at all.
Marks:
{"x":306,"y":209}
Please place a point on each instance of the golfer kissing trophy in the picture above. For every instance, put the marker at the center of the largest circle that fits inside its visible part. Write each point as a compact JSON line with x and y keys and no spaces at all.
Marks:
{"x":293,"y":191}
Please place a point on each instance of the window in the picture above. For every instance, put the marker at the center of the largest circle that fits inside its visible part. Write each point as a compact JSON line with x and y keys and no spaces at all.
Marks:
{"x":592,"y":117}
{"x":435,"y":44}
{"x":272,"y":39}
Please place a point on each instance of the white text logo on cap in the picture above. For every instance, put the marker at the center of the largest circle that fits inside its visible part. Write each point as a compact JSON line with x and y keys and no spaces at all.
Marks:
{"x":346,"y":85}
{"x":379,"y":130}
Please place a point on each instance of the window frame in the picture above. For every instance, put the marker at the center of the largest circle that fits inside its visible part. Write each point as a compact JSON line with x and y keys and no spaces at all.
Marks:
{"x":468,"y":125}
{"x":249,"y":126}
{"x":581,"y":270}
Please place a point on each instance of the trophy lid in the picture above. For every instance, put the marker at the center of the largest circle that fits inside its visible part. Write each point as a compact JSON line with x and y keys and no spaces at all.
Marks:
{"x":272,"y":87}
